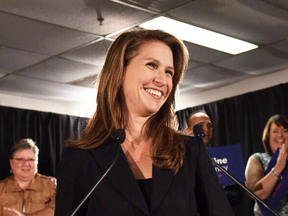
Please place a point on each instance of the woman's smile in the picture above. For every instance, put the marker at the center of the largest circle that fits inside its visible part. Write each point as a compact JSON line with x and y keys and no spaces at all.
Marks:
{"x":155,"y":93}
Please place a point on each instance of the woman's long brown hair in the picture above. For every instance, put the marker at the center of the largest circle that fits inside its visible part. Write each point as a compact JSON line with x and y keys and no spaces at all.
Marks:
{"x":167,"y":150}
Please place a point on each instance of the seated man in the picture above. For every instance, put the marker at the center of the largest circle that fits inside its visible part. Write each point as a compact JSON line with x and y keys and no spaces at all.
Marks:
{"x":200,"y":117}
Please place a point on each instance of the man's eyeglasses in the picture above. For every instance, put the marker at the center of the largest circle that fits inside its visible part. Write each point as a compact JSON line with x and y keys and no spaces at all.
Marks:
{"x":22,"y":160}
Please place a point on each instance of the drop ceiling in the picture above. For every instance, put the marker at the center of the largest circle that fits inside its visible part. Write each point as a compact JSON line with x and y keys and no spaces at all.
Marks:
{"x":55,"y":49}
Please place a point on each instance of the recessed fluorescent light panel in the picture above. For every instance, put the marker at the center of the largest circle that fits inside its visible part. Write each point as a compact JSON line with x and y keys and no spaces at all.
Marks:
{"x":199,"y":36}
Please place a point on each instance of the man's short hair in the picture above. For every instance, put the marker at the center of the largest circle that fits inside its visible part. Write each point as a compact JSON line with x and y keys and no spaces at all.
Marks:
{"x":193,"y":113}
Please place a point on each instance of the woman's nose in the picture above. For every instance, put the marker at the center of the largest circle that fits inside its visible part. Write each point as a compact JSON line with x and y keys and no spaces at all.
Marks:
{"x":280,"y":134}
{"x":25,"y":162}
{"x":160,"y":78}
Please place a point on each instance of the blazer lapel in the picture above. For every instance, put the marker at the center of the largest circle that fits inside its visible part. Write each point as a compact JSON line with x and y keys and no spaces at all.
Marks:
{"x":120,"y":176}
{"x":162,"y":179}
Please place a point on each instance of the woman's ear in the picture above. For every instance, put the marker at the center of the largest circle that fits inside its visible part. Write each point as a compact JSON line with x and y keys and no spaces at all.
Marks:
{"x":11,"y":164}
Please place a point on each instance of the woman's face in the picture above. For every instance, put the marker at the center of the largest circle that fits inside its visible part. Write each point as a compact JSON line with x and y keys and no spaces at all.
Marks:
{"x":24,"y":164}
{"x":278,"y":136}
{"x":148,"y":79}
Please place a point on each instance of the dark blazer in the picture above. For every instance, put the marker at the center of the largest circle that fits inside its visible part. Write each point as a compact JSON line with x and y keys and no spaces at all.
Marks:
{"x":195,"y":189}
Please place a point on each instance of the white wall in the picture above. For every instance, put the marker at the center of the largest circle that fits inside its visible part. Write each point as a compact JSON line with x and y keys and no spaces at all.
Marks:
{"x":242,"y":87}
{"x":86,"y":109}
{"x":75,"y":109}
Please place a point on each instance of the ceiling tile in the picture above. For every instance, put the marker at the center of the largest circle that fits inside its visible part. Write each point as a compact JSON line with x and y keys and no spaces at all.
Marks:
{"x":158,"y":6}
{"x":193,"y":64}
{"x":39,"y":37}
{"x":282,"y":45}
{"x":252,"y":21}
{"x":82,"y":15}
{"x":257,"y":62}
{"x":93,"y":54}
{"x":204,"y":54}
{"x":208,"y":76}
{"x":2,"y":74}
{"x":283,"y":4}
{"x":183,"y":85}
{"x":88,"y":82}
{"x":46,"y":90}
{"x":186,"y":89}
{"x":59,"y":70}
{"x":12,"y":59}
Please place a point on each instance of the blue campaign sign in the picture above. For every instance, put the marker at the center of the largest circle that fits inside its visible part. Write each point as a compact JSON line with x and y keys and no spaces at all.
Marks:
{"x":231,"y":159}
{"x":280,"y":189}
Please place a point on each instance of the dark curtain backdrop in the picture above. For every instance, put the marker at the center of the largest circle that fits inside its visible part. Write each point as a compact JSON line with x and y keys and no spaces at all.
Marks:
{"x":48,"y":130}
{"x":241,"y":119}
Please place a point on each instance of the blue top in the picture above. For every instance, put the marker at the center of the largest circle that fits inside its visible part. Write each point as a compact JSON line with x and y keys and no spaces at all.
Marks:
{"x":282,"y":209}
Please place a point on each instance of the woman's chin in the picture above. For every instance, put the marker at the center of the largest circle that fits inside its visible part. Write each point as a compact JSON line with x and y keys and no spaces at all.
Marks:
{"x":26,"y":175}
{"x":153,"y":108}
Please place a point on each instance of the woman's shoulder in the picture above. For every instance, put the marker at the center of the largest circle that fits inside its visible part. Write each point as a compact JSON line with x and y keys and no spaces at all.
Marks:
{"x":80,"y":149}
{"x":7,"y":180}
{"x":45,"y":178}
{"x":261,"y":156}
{"x":73,"y":150}
{"x":257,"y":154}
{"x":191,"y":144}
{"x":9,"y":184}
{"x":42,"y":182}
{"x":81,"y":156}
{"x":190,"y":141}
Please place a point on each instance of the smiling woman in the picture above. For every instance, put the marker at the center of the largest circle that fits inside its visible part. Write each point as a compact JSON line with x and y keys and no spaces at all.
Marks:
{"x":26,"y":191}
{"x":275,"y":135}
{"x":159,"y":171}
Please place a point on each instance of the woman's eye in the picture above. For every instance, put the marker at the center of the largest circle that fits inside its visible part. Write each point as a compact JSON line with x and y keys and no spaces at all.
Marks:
{"x":151,"y":64}
{"x":170,"y":72}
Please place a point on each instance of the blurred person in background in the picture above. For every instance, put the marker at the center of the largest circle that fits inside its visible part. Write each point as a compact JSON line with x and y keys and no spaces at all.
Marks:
{"x":26,"y":192}
{"x":200,"y":117}
{"x":275,"y":135}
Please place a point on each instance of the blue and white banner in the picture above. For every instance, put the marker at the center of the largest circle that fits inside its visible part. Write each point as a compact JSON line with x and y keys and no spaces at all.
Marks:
{"x":280,"y":189}
{"x":231,"y":159}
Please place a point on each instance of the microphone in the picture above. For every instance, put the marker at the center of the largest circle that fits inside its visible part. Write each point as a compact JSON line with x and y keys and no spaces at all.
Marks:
{"x":199,"y":134}
{"x":120,"y":136}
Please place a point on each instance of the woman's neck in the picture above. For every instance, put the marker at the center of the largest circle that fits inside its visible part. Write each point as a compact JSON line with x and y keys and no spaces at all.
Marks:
{"x":23,"y":183}
{"x":137,"y":147}
{"x":135,"y":132}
